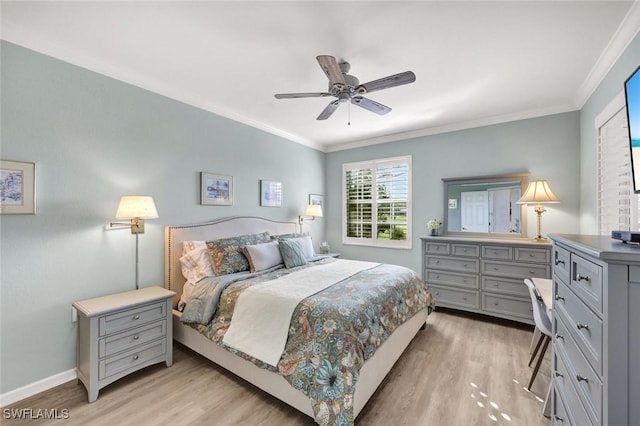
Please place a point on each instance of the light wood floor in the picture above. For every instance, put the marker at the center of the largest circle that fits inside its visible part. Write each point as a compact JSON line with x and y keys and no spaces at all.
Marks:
{"x":462,"y":370}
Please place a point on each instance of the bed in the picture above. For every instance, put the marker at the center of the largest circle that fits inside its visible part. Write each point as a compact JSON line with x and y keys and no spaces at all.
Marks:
{"x":272,"y":380}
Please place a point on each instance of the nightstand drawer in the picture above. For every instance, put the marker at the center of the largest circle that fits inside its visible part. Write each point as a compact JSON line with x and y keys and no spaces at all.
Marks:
{"x":562,"y":383}
{"x":462,"y":280}
{"x":131,"y":359}
{"x":507,"y":305}
{"x":130,"y":338}
{"x":464,"y":298}
{"x":515,"y":270}
{"x":453,"y":264}
{"x":497,"y":252}
{"x":131,"y":318}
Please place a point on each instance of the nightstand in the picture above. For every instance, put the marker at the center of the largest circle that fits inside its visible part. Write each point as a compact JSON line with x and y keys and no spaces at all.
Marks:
{"x":122,"y":333}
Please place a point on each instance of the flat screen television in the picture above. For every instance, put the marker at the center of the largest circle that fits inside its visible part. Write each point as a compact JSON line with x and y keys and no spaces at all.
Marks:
{"x":632,"y":95}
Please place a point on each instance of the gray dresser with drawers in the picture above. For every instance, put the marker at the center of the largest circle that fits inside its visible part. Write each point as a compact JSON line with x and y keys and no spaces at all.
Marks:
{"x":484,"y":275}
{"x":596,"y":331}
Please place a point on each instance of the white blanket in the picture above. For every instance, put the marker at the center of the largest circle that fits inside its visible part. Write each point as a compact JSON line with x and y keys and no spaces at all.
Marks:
{"x":262,"y":315}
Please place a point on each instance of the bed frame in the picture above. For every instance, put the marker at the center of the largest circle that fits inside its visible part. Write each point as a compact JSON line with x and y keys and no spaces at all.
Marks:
{"x":372,"y":372}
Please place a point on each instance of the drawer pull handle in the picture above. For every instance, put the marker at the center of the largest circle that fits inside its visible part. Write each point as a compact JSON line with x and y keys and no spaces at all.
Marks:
{"x":465,"y":265}
{"x":581,"y":326}
{"x":558,"y":374}
{"x":532,"y":272}
{"x":582,"y":277}
{"x":135,"y":357}
{"x":464,"y":298}
{"x":496,"y":303}
{"x":136,"y":337}
{"x":496,"y":285}
{"x":559,"y":336}
{"x":558,"y":297}
{"x":532,"y":255}
{"x":136,"y":317}
{"x":558,"y":419}
{"x":582,"y":379}
{"x":558,"y":262}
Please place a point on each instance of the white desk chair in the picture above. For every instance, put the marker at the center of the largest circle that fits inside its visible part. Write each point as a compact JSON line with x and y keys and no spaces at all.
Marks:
{"x":543,"y":323}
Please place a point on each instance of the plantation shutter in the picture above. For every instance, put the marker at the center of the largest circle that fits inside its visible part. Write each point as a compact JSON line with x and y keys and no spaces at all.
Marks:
{"x":617,"y":204}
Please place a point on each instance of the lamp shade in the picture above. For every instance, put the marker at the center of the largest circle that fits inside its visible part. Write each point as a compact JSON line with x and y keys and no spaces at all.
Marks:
{"x":538,"y":192}
{"x":313,"y":210}
{"x":138,"y":206}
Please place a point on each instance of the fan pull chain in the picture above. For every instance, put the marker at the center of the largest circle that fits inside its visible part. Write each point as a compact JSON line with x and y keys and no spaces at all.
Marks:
{"x":349,"y":114}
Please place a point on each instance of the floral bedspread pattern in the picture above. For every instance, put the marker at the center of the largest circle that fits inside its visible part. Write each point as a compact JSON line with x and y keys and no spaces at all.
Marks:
{"x":333,"y":332}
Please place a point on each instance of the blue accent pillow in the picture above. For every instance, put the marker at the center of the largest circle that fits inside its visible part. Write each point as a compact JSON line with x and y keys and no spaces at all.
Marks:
{"x":292,"y":253}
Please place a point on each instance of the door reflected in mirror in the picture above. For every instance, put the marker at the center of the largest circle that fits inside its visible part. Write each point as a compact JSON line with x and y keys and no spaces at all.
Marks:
{"x":485,"y":206}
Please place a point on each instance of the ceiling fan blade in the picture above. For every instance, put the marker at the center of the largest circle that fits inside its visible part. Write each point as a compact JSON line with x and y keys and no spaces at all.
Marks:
{"x":326,"y":113}
{"x":370,"y":105}
{"x":301,"y":95}
{"x":386,"y":82}
{"x":332,"y":70}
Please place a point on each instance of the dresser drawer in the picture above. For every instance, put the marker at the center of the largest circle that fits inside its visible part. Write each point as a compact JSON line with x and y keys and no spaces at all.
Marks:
{"x":470,"y":250}
{"x":560,"y":415}
{"x":436,"y":248}
{"x":453,"y":264}
{"x":533,"y":255}
{"x":561,"y":263}
{"x":497,"y":252}
{"x":131,"y":359}
{"x":508,"y":305}
{"x":450,"y":278}
{"x":579,"y":373}
{"x":131,"y":317}
{"x":463,"y":298}
{"x":584,"y":324}
{"x":515,"y":270}
{"x":130,"y":338}
{"x":505,"y":286}
{"x":562,"y":383}
{"x":586,"y":280}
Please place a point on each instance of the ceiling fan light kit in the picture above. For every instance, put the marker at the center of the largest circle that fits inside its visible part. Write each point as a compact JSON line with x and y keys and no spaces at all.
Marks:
{"x":347,"y":88}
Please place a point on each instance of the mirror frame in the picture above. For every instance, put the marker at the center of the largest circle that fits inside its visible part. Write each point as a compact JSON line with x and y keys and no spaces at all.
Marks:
{"x":523,"y":178}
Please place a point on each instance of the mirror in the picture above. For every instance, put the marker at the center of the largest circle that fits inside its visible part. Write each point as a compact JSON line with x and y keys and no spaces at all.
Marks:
{"x":485,"y":206}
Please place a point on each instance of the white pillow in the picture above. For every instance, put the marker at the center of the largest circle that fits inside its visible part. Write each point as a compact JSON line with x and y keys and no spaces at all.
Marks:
{"x":188,"y":246}
{"x":263,"y":256}
{"x":306,"y":244}
{"x":196,"y":265}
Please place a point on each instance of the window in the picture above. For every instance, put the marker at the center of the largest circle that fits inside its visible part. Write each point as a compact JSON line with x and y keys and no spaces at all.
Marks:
{"x":617,"y":204}
{"x":377,"y":202}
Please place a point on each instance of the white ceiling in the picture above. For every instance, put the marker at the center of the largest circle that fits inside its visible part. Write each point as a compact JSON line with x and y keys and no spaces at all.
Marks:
{"x":475,"y":62}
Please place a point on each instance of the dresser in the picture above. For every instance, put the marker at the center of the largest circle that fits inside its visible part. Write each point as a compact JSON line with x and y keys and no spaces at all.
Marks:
{"x":484,"y":275}
{"x":122,"y":333}
{"x":596,"y":331}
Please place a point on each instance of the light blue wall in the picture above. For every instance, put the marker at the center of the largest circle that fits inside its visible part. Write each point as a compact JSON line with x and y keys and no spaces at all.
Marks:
{"x":547,"y":147}
{"x":608,"y":89}
{"x":94,"y":139}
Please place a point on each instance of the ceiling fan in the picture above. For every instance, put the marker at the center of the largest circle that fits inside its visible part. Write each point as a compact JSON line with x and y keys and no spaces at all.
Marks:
{"x":347,"y":88}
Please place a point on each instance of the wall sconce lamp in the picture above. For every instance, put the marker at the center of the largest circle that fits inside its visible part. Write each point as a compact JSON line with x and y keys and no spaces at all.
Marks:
{"x":537,"y":193}
{"x":137,"y":208}
{"x":312,"y":211}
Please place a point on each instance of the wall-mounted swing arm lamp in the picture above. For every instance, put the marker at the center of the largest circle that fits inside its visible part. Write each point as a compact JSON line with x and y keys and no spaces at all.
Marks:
{"x":537,"y":193}
{"x":311,"y":212}
{"x":137,"y":208}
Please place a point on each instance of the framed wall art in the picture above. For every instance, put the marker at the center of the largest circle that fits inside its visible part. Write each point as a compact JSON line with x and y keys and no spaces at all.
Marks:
{"x":316,"y":199}
{"x":17,"y":187}
{"x":270,"y":193}
{"x":216,"y":190}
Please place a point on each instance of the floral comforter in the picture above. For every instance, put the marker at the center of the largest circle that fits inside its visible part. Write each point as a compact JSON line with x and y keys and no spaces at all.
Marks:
{"x":333,"y":332}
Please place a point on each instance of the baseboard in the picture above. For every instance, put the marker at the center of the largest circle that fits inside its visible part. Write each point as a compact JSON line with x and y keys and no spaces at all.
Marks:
{"x":37,"y":387}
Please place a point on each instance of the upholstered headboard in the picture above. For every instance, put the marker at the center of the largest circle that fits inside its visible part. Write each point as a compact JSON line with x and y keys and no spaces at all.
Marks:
{"x":220,"y":228}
